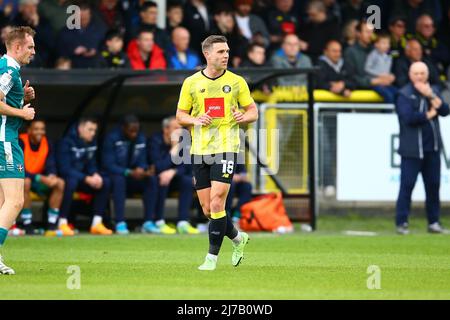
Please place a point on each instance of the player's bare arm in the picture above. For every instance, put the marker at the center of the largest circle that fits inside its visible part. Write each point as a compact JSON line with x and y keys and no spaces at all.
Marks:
{"x":186,"y":120}
{"x":248,"y":116}
{"x":26,"y":113}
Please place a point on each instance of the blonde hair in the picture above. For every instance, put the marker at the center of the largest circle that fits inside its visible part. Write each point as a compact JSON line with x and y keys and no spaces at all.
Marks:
{"x":18,"y":33}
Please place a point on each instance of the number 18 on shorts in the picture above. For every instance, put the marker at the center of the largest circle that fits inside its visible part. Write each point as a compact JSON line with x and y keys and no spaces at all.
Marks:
{"x":215,"y":167}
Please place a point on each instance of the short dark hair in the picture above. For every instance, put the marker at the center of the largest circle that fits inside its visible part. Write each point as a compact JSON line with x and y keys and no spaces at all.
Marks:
{"x":113,"y":33}
{"x":209,"y":41}
{"x":18,"y":33}
{"x":148,"y":4}
{"x":253,"y":45}
{"x":329,"y":42}
{"x":174,"y":4}
{"x":85,"y":119}
{"x":129,"y":119}
{"x":145,"y":29}
{"x":393,"y":20}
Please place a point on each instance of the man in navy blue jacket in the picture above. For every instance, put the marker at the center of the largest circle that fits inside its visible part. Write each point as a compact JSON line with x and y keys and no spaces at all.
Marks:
{"x":171,"y":177}
{"x":125,"y":160}
{"x":418,"y":108}
{"x":77,"y":164}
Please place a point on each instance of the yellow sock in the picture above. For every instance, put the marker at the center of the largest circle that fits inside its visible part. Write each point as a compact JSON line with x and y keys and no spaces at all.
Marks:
{"x":218,"y":215}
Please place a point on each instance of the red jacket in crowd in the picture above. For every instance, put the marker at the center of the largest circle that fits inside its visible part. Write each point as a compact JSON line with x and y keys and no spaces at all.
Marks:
{"x":157,"y":61}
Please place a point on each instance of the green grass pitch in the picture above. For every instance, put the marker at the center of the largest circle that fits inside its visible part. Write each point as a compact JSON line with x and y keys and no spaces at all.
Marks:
{"x":323,"y":265}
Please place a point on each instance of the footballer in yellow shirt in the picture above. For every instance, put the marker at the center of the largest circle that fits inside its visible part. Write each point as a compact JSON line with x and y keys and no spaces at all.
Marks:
{"x":210,"y":103}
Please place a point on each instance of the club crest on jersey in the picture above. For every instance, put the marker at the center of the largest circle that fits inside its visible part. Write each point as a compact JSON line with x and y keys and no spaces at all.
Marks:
{"x":19,"y":167}
{"x":226,"y":89}
{"x":202,"y":90}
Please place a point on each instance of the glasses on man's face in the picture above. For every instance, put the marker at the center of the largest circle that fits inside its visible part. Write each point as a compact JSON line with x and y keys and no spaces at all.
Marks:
{"x":428,"y":25}
{"x":400,"y":25}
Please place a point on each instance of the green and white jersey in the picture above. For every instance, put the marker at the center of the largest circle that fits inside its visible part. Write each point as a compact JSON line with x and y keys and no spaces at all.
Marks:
{"x":11,"y":86}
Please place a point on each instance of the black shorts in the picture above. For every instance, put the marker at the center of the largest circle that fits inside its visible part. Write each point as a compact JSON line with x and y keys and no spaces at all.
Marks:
{"x":215,"y":167}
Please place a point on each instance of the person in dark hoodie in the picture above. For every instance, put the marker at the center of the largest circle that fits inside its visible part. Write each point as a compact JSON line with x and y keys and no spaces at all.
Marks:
{"x":125,"y":160}
{"x":170,"y":176}
{"x":256,"y":57}
{"x":112,"y":56}
{"x":333,"y":75}
{"x":419,"y":107}
{"x":148,"y":14}
{"x":77,"y":164}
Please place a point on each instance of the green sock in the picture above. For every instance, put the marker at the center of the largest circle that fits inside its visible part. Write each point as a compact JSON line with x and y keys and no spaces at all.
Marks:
{"x":26,"y":216}
{"x":53,"y":215}
{"x":3,"y":235}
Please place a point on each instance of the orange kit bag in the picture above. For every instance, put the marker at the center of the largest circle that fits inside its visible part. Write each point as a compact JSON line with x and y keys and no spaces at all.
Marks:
{"x":265,"y":213}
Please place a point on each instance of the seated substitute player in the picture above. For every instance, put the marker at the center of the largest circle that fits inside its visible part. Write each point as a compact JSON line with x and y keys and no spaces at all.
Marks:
{"x":40,"y":176}
{"x":171,"y":177}
{"x":76,"y":160}
{"x":125,"y":160}
{"x":210,"y":103}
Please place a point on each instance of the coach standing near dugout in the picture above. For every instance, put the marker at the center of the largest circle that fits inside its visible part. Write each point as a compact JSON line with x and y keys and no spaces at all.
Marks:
{"x":14,"y":108}
{"x":418,"y":108}
{"x":210,"y":102}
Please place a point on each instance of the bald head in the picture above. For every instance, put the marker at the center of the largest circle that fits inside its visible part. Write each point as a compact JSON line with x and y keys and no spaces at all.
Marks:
{"x":180,"y":39}
{"x":418,"y":72}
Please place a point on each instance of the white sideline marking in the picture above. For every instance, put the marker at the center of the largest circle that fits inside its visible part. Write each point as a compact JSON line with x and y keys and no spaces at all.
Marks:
{"x":360,"y":233}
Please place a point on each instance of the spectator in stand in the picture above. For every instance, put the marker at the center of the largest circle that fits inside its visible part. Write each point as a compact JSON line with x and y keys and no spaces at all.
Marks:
{"x":356,"y":57}
{"x":125,"y":160}
{"x":397,"y":29}
{"x":148,"y":14}
{"x":63,"y":63}
{"x":281,"y":21}
{"x":288,"y":57}
{"x":27,"y":15}
{"x":6,"y":13}
{"x":411,"y":10}
{"x":112,"y":15}
{"x":379,"y":64}
{"x":180,"y":57}
{"x":174,"y":16}
{"x":226,"y":26}
{"x":5,"y":30}
{"x":333,"y":10}
{"x":198,"y":21}
{"x":433,"y":48}
{"x":353,"y":10}
{"x":55,"y":12}
{"x":77,"y":164}
{"x":318,"y":30}
{"x":113,"y":56}
{"x":333,"y":75}
{"x":169,"y":176}
{"x":413,"y":53}
{"x":349,"y":33}
{"x":82,"y":45}
{"x":256,"y":56}
{"x":251,"y":26}
{"x":144,"y":53}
